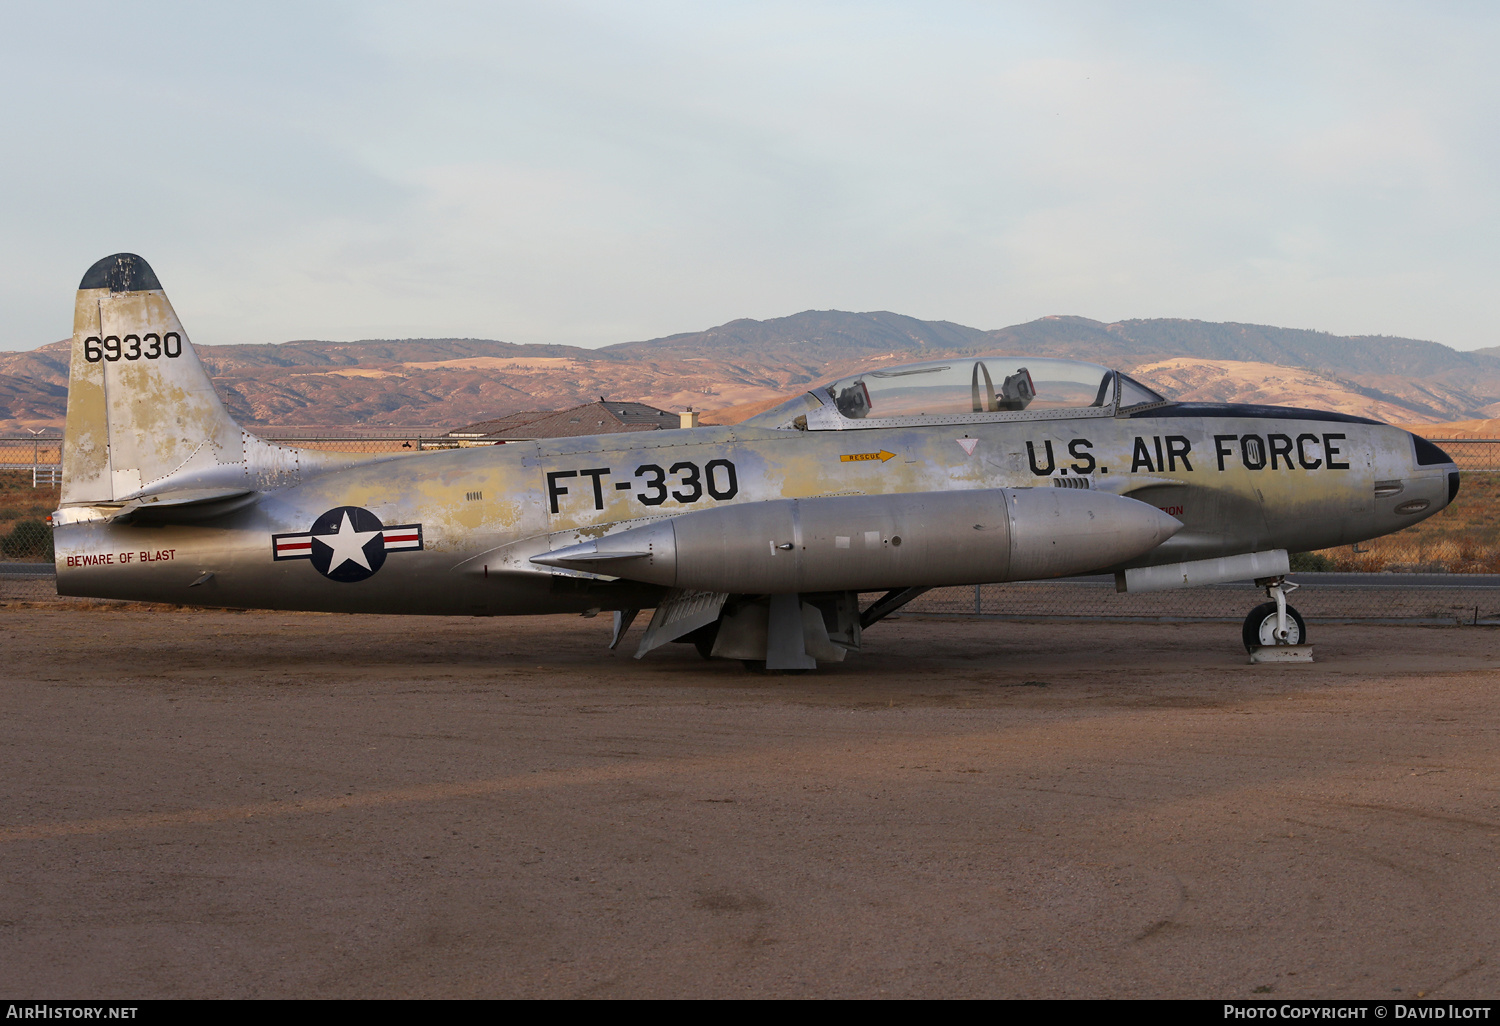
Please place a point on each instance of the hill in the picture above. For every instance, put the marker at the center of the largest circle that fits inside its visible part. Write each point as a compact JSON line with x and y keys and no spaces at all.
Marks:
{"x":441,"y":383}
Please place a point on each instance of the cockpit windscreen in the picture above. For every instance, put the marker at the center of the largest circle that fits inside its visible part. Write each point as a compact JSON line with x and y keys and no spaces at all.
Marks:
{"x":990,"y":385}
{"x":1133,"y":393}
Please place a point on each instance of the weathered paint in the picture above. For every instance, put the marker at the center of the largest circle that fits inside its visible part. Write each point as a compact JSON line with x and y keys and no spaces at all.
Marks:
{"x":140,"y":431}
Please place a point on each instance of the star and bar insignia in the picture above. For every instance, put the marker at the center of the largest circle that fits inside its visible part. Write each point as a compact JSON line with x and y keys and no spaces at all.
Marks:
{"x":347,"y":544}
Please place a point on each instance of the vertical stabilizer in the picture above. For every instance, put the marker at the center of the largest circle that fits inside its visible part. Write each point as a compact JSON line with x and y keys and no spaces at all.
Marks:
{"x":142,"y":412}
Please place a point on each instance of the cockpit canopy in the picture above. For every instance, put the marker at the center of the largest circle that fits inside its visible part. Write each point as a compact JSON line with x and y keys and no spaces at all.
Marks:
{"x":964,"y":389}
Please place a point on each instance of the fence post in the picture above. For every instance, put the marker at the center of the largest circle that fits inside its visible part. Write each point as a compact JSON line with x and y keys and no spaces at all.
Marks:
{"x":976,"y":600}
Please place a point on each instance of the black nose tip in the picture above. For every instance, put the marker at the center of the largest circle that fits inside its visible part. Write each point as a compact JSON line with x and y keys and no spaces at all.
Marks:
{"x":1452,"y":486}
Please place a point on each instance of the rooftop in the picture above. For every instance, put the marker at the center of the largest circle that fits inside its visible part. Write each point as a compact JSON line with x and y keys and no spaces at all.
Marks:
{"x":598,"y":418}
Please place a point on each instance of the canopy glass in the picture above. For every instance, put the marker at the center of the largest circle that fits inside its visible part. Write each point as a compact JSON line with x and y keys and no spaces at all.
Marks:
{"x":966,"y":385}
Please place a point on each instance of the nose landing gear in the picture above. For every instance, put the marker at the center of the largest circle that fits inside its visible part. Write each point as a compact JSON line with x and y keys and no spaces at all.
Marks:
{"x":1273,"y":630}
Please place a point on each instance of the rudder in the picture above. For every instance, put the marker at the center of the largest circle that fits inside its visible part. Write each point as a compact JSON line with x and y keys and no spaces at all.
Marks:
{"x":142,"y":411}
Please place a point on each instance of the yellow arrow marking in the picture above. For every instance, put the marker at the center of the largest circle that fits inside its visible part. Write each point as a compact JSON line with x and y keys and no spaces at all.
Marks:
{"x":859,"y":457}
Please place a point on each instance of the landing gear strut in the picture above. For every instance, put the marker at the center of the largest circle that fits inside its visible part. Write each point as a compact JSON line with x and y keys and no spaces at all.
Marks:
{"x":1274,"y":623}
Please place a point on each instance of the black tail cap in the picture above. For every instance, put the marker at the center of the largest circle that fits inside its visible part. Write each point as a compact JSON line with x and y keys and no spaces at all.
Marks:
{"x":1452,"y":485}
{"x":123,"y":272}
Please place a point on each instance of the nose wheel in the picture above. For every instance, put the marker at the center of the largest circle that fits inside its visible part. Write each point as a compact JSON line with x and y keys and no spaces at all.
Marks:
{"x":1274,"y":623}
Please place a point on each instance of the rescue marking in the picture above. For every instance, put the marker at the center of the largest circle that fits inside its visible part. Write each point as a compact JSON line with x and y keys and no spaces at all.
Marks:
{"x":347,"y":544}
{"x":862,"y":457}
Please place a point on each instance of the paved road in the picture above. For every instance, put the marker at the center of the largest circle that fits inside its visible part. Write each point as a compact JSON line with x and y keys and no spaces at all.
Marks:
{"x":27,"y":570}
{"x":1342,"y":580}
{"x":210,"y":804}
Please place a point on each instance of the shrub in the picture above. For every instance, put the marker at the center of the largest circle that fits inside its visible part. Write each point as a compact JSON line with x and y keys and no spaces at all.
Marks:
{"x":29,"y":539}
{"x":1310,"y":563}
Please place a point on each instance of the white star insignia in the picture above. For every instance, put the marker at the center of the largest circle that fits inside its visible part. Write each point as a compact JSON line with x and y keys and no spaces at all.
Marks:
{"x":348,"y":545}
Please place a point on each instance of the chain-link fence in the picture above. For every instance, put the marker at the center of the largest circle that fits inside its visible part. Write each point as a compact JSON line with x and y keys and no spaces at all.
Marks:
{"x":1456,"y":552}
{"x":1321,"y":597}
{"x":416,"y":442}
{"x":38,"y":458}
{"x":1482,"y":454}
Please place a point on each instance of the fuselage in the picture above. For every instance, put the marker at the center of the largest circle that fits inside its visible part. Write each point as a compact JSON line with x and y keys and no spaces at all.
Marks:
{"x":1239,"y":478}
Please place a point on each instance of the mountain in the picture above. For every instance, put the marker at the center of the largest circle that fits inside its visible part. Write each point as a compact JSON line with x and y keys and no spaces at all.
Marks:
{"x":1253,"y":343}
{"x":1219,"y":381}
{"x":442,"y":383}
{"x":816,"y":335}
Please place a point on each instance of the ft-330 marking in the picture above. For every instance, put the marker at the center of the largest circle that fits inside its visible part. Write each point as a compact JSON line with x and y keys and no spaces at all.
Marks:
{"x":716,"y":478}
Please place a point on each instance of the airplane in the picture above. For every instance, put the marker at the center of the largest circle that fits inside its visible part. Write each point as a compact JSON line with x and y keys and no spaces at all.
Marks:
{"x":753,"y":541}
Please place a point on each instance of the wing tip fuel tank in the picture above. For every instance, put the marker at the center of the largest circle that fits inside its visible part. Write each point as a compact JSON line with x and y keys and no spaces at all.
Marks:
{"x":866,"y":542}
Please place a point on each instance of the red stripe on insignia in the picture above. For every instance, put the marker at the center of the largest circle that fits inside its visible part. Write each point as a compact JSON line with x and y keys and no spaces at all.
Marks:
{"x":293,"y":546}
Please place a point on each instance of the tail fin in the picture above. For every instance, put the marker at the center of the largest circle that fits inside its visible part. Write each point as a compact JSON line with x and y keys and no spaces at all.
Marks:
{"x":141,"y":409}
{"x":144,"y":423}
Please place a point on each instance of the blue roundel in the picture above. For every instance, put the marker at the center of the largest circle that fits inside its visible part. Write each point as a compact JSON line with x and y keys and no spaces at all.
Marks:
{"x":348,"y":544}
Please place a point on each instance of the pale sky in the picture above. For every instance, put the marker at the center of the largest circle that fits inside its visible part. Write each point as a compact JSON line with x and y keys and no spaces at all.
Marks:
{"x":588,"y":173}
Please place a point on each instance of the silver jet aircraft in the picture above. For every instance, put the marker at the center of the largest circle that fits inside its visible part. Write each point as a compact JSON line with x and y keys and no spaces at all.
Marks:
{"x":752,"y":542}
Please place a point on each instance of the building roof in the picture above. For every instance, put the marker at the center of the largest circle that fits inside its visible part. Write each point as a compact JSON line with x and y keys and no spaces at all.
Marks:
{"x":599,"y":418}
{"x":505,"y":423}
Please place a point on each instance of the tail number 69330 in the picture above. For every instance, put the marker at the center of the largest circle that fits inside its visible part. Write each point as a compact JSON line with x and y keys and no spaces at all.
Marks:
{"x":149,"y":346}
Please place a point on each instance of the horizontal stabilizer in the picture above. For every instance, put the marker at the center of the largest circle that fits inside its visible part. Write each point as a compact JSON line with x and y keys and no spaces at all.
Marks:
{"x":186,"y":504}
{"x":190,"y":497}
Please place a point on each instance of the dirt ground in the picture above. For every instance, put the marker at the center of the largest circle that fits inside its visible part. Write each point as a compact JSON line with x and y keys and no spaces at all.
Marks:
{"x":252,"y":804}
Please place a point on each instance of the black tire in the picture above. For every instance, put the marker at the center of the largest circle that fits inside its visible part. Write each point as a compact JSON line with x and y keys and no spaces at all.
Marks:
{"x":1260,"y":627}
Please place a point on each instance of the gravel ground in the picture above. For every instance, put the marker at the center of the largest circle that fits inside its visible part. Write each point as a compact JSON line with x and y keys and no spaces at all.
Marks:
{"x":212,"y":804}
